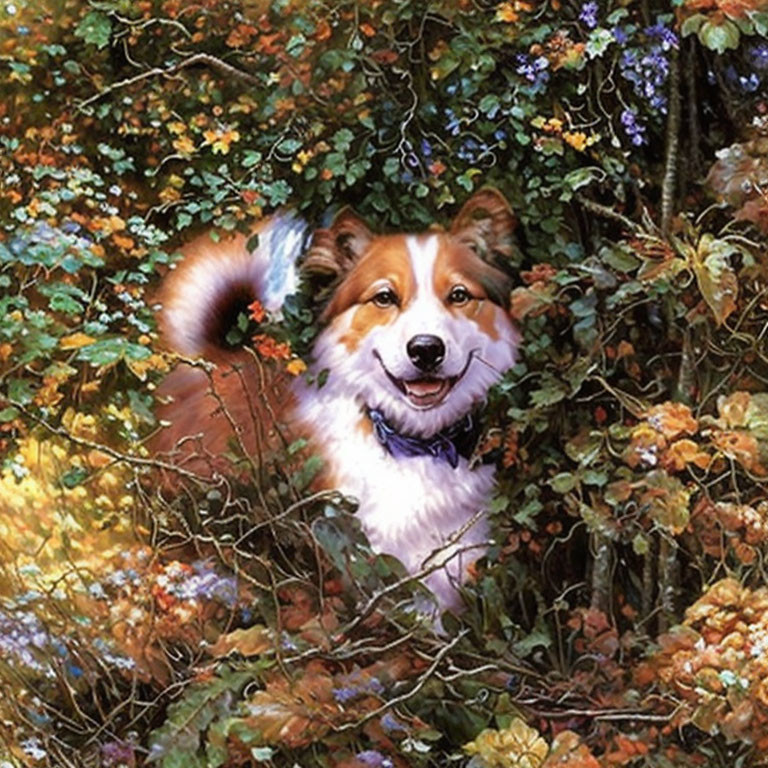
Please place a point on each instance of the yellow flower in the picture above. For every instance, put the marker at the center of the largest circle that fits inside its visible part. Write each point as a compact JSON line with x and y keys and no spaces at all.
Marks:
{"x":220,"y":140}
{"x":506,"y":12}
{"x":579,"y":140}
{"x":516,"y":746}
{"x":184,"y":145}
{"x":296,"y":366}
{"x":510,"y":12}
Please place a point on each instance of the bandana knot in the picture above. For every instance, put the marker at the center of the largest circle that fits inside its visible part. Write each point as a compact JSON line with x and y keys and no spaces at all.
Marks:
{"x":447,"y":445}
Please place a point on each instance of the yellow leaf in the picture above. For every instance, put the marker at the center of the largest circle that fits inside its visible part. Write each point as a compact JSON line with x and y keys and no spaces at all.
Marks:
{"x":516,"y":746}
{"x":76,"y":340}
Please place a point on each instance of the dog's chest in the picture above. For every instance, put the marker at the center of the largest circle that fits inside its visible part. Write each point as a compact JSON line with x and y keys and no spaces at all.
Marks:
{"x":409,"y":506}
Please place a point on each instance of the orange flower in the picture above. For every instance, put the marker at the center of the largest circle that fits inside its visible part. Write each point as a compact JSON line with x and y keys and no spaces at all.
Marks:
{"x":270,"y":348}
{"x":256,"y":311}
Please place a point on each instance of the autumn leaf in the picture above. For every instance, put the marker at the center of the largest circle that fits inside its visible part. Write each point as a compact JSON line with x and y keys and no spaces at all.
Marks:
{"x":568,"y":751}
{"x":711,"y":262}
{"x":516,"y":746}
{"x":76,"y":340}
{"x":672,"y":419}
{"x":247,"y":642}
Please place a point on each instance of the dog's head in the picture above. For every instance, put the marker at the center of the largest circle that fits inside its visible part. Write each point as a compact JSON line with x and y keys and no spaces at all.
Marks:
{"x":418,"y":327}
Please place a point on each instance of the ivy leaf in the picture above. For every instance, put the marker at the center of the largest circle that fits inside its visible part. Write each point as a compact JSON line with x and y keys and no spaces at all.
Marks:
{"x":719,"y":37}
{"x":95,"y":28}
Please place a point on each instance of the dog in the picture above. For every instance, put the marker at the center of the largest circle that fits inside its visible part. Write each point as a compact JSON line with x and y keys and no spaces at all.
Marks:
{"x":415,"y":333}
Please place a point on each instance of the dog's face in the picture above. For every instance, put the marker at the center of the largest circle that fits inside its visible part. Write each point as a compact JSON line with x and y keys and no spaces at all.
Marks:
{"x":418,"y":327}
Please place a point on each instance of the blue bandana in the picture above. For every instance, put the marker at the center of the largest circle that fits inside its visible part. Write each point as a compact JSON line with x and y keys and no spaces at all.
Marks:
{"x":447,"y":445}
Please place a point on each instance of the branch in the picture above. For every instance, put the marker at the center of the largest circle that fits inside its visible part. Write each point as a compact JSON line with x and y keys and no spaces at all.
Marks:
{"x":198,"y":58}
{"x":673,"y":141}
{"x":408,"y":694}
{"x":607,"y":213}
{"x":117,"y":455}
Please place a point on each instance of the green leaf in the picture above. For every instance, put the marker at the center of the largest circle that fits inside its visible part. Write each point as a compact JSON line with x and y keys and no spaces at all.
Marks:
{"x":95,"y":28}
{"x":598,"y":42}
{"x":177,"y":742}
{"x":692,"y":24}
{"x":563,"y":482}
{"x":719,"y":37}
{"x":73,"y":477}
{"x":289,"y":146}
{"x":342,"y":139}
{"x":8,"y":414}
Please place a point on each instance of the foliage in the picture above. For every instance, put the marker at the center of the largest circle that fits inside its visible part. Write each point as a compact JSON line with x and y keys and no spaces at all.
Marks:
{"x":619,"y":618}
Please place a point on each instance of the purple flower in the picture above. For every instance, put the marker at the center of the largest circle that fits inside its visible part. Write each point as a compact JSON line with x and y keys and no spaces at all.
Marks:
{"x":390,"y":723}
{"x":633,"y":129}
{"x":647,"y":68}
{"x":375,"y":686}
{"x":759,"y":54}
{"x":619,"y":35}
{"x":206,"y":584}
{"x":117,"y":752}
{"x":749,"y":84}
{"x":453,"y":126}
{"x":345,"y":694}
{"x":533,"y":70}
{"x":588,"y":14}
{"x":664,"y":35}
{"x":22,"y":634}
{"x":374,"y":759}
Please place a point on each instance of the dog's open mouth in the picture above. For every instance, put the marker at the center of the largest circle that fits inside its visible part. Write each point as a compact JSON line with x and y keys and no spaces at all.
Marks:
{"x":426,"y":391}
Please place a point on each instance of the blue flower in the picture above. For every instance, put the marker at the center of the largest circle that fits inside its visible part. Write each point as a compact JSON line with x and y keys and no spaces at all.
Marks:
{"x":619,"y":35}
{"x":533,"y":70}
{"x":374,"y":759}
{"x":390,"y":723}
{"x":588,"y":14}
{"x":749,"y":84}
{"x":633,"y":129}
{"x":759,"y":54}
{"x":453,"y":126}
{"x":664,"y":35}
{"x":647,"y":68}
{"x":345,"y":694}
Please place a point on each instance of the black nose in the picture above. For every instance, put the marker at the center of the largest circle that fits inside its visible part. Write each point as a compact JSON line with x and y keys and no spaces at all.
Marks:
{"x":426,"y":351}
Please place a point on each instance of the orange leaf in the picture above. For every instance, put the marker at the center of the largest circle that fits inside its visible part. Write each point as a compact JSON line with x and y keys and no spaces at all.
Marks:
{"x":247,"y":642}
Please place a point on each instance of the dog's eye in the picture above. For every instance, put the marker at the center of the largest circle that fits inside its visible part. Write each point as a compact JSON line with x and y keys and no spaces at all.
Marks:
{"x":459,"y":295}
{"x":386,"y":297}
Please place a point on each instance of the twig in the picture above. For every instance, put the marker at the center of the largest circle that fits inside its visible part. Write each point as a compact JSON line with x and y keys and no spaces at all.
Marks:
{"x":198,"y":58}
{"x":607,"y":213}
{"x":117,"y":455}
{"x":412,"y":692}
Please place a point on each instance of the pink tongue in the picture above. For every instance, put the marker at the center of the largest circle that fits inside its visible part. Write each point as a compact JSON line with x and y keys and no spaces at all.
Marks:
{"x":424,"y":387}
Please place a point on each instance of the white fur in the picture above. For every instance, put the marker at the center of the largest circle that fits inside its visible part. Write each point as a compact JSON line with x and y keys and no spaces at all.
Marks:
{"x":269,"y":269}
{"x":411,"y":506}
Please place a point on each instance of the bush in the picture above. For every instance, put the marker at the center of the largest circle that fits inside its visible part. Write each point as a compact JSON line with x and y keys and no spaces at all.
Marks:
{"x":620,"y":619}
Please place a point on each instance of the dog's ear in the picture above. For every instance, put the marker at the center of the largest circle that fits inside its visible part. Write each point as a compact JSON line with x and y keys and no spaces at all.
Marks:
{"x":486,"y":224}
{"x":334,"y":251}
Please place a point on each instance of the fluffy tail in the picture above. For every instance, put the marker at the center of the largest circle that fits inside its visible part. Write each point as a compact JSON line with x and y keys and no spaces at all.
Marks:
{"x":216,"y":281}
{"x":211,"y":416}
